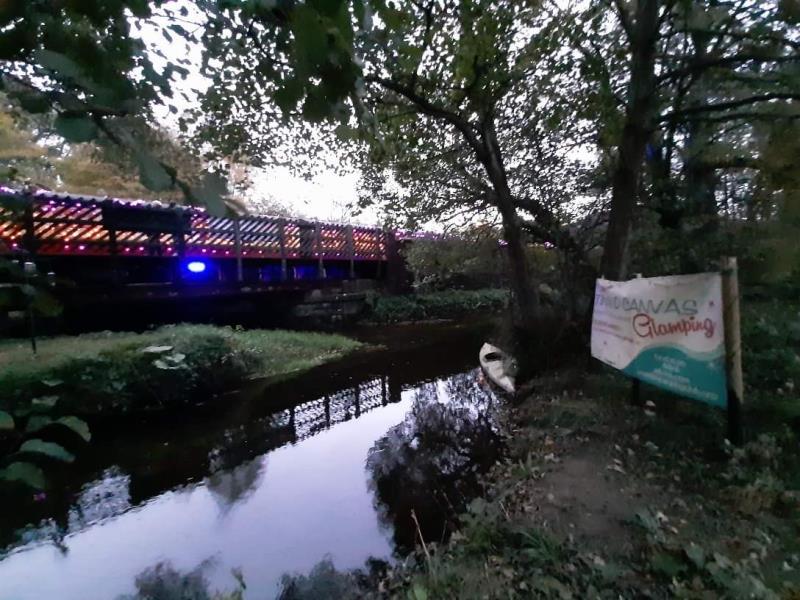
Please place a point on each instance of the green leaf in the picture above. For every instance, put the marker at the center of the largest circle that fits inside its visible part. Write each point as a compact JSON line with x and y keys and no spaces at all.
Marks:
{"x":29,"y":474}
{"x":419,"y":592}
{"x":315,"y":107}
{"x":76,"y":129}
{"x":6,"y":421}
{"x":287,"y":96}
{"x":666,"y":564}
{"x":163,"y":365}
{"x":646,"y":519}
{"x":695,"y":554}
{"x":44,"y":402}
{"x":55,"y":61}
{"x":152,"y":173}
{"x":37,"y":422}
{"x":48,"y":449}
{"x":346,"y":133}
{"x":77,"y":425}
{"x":33,"y":102}
{"x":311,"y":45}
{"x":155,"y":349}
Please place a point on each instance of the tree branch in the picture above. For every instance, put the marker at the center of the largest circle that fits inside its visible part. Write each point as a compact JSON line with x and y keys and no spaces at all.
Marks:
{"x":720,"y":106}
{"x":697,"y":67}
{"x":429,"y":108}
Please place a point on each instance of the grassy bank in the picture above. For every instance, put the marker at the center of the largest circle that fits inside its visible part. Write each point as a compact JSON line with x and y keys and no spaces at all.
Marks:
{"x":450,"y":304}
{"x":108,"y":373}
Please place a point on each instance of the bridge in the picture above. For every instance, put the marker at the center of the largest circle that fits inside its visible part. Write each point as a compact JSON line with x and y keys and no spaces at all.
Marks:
{"x":116,"y":250}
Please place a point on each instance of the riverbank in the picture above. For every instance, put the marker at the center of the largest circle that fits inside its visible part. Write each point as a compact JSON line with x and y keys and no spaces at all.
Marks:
{"x":170,"y":367}
{"x":603,"y":499}
{"x":600,"y":498}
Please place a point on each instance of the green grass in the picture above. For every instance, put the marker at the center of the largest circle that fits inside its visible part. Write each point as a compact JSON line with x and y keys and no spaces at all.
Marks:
{"x":168,"y":367}
{"x":437,"y":305}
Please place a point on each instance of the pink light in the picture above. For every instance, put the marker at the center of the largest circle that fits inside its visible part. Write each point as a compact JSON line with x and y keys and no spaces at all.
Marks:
{"x":204,"y":251}
{"x":15,"y":245}
{"x":81,"y":247}
{"x":66,"y":246}
{"x":127,"y":249}
{"x":141,"y":248}
{"x":227,"y":252}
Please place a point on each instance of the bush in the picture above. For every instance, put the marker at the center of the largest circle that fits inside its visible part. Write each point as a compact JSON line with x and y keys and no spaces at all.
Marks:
{"x":436,"y":305}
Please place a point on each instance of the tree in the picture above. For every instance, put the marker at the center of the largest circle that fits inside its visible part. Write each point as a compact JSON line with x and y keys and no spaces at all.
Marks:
{"x":86,"y":62}
{"x":448,"y":96}
{"x":699,"y":77}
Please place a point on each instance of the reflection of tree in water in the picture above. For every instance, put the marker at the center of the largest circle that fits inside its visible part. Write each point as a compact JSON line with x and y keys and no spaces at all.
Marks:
{"x":430,"y":462}
{"x":107,"y":497}
{"x":163,"y":582}
{"x":237,"y":463}
{"x":98,"y":500}
{"x":229,"y":486}
{"x":325,"y":582}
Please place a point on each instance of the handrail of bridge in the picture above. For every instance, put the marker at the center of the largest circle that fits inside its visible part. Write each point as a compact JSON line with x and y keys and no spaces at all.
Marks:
{"x":68,"y":224}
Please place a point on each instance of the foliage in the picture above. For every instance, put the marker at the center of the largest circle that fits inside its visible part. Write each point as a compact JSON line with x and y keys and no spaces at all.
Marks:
{"x":323,"y":582}
{"x":436,"y":305}
{"x":35,"y":436}
{"x":163,"y":582}
{"x":166,"y":368}
{"x":455,"y":262}
{"x":771,"y":340}
{"x":684,"y":97}
{"x":88,"y":62}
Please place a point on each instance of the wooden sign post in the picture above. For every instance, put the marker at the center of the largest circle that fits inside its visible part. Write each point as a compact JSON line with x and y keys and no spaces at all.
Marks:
{"x":733,"y":348}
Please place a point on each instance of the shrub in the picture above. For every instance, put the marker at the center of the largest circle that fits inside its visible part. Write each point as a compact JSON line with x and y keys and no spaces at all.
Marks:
{"x":437,"y":305}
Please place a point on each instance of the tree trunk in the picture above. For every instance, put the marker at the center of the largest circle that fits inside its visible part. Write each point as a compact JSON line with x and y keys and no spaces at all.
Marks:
{"x":526,"y":292}
{"x":701,"y":177}
{"x":635,"y":134}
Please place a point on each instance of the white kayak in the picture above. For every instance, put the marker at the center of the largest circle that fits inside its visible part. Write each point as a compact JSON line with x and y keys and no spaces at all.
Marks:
{"x":497,"y":365}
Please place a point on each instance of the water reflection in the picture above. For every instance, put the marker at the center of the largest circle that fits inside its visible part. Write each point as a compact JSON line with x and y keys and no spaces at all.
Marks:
{"x":231,"y":469}
{"x":162,"y":581}
{"x":270,"y":491}
{"x":430,"y":463}
{"x":105,"y":497}
{"x":230,"y":486}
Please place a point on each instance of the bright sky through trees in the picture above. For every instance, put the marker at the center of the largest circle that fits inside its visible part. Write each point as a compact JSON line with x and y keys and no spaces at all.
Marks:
{"x":327,"y":196}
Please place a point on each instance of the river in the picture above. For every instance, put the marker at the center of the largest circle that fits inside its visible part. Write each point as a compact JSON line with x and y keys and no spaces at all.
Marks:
{"x":271,"y":480}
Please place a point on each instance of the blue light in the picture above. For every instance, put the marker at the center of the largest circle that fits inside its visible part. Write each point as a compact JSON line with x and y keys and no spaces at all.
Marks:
{"x":196,"y":266}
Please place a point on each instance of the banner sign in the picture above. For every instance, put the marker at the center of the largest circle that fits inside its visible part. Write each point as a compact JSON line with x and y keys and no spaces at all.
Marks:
{"x":665,"y":331}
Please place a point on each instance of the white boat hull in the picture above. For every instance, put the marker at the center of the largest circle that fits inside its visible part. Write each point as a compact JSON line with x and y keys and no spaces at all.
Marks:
{"x":493,"y":362}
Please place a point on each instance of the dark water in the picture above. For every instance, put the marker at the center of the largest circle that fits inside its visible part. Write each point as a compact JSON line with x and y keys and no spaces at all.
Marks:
{"x":272,"y":482}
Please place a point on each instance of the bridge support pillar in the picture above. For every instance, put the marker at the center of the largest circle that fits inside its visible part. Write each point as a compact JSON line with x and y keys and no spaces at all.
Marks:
{"x":237,"y":242}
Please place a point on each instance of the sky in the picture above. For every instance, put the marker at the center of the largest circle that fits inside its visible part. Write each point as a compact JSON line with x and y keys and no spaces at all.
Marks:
{"x":326,"y":197}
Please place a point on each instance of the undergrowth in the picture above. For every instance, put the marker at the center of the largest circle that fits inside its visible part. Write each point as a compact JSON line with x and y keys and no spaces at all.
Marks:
{"x":171,"y":366}
{"x":436,"y":305}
